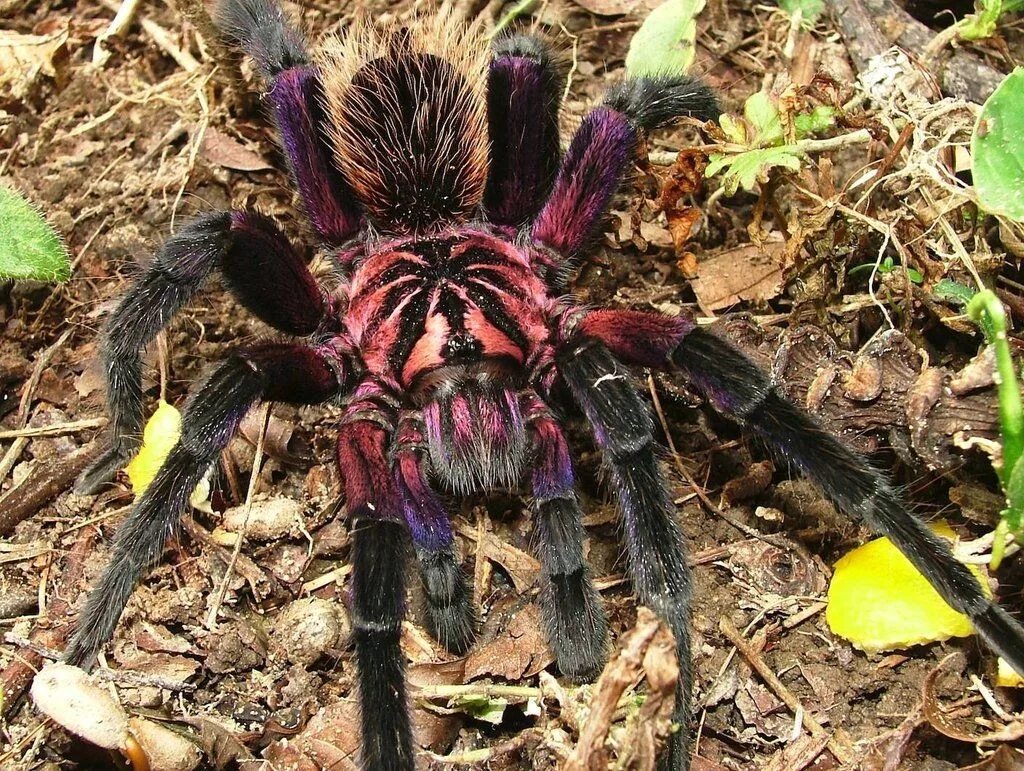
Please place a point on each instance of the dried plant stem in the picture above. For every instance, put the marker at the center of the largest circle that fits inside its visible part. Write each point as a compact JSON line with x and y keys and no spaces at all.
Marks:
{"x":257,"y":461}
{"x":838,"y":743}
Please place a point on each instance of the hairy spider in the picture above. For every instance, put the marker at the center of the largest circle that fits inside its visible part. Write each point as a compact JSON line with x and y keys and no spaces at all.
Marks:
{"x":430,"y":165}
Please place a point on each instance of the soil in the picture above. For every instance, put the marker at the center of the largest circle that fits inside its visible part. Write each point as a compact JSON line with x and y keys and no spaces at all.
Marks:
{"x":119,"y":155}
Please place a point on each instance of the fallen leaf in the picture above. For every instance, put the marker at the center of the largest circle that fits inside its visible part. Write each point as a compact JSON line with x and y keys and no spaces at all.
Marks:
{"x":23,"y":58}
{"x":879,"y":601}
{"x":167,"y":750}
{"x":82,"y":705}
{"x":743,"y":273}
{"x":521,"y":650}
{"x":225,"y":151}
{"x":520,"y":566}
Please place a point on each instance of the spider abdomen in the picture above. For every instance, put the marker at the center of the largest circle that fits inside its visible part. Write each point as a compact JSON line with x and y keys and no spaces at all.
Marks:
{"x":464,"y":299}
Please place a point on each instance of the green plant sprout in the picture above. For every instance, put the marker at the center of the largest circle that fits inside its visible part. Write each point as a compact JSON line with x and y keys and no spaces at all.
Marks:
{"x":888,"y":265}
{"x":983,"y":23}
{"x":757,"y":142}
{"x":987,"y":312}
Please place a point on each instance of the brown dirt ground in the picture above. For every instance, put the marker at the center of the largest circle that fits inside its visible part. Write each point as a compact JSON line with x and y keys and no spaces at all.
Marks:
{"x":118,"y":156}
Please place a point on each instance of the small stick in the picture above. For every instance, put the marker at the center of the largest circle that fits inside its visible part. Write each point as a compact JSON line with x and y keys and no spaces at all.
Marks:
{"x":57,"y":429}
{"x":19,"y":444}
{"x":117,"y":27}
{"x":837,"y":742}
{"x":257,"y":461}
{"x":42,"y":486}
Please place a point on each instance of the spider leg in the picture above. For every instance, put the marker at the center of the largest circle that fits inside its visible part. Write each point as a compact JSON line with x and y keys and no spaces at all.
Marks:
{"x":657,"y":558}
{"x":379,"y":544}
{"x":450,"y":617}
{"x":524,"y":93}
{"x":738,"y":388}
{"x":600,"y":151}
{"x":296,"y":97}
{"x":573,"y":614}
{"x":258,"y":264}
{"x":282,"y":372}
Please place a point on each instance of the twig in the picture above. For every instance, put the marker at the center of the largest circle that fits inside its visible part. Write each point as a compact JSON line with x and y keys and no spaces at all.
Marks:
{"x":257,"y":461}
{"x":44,"y":484}
{"x":117,"y":27}
{"x":162,"y":38}
{"x":19,"y":444}
{"x":838,"y":743}
{"x":57,"y":429}
{"x":486,"y":690}
{"x":53,"y":631}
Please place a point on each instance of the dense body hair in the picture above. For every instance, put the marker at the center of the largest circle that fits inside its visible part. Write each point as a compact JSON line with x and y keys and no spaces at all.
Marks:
{"x":409,"y":119}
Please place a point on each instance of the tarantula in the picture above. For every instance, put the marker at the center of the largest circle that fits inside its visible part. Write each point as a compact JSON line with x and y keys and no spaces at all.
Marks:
{"x":430,"y":165}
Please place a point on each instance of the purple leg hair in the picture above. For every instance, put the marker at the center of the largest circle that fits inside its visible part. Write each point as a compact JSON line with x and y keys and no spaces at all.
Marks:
{"x":591,"y":173}
{"x":330,"y":206}
{"x":449,"y":613}
{"x":523,"y":100}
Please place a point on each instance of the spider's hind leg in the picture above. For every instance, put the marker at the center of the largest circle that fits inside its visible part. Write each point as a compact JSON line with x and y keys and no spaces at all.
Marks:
{"x":523,"y":98}
{"x":258,"y":264}
{"x":296,"y":97}
{"x":449,"y":608}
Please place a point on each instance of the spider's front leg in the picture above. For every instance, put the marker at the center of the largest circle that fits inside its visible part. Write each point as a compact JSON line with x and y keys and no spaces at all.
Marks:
{"x":600,"y":152}
{"x":260,"y":267}
{"x":450,"y":618}
{"x":379,"y":545}
{"x":524,"y":93}
{"x":573,"y":614}
{"x":624,"y":431}
{"x":296,"y":97}
{"x":738,"y":388}
{"x":290,"y":373}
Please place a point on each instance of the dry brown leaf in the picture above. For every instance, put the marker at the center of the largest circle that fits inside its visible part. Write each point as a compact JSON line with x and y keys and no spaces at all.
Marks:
{"x":330,"y":740}
{"x":742,"y":273}
{"x":520,"y":566}
{"x":521,"y":650}
{"x":225,"y":151}
{"x":23,"y":58}
{"x":960,"y":726}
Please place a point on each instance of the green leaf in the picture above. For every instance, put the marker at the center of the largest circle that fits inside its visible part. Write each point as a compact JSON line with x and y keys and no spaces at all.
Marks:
{"x":1015,"y":498}
{"x":820,"y":119}
{"x":983,"y":24}
{"x":29,"y":247}
{"x":490,"y":710}
{"x":761,"y":112}
{"x":997,"y":147}
{"x":812,"y":9}
{"x":747,"y":169}
{"x":664,"y":44}
{"x":954,"y":291}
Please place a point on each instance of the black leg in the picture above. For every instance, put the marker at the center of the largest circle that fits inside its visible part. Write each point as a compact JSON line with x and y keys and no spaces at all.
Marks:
{"x":258,"y":264}
{"x":379,"y":548}
{"x":573,"y":614}
{"x":737,"y":387}
{"x":661,"y":576}
{"x":450,"y":618}
{"x":274,"y":372}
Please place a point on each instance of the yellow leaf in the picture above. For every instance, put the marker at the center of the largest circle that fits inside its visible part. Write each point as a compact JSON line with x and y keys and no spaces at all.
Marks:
{"x":1006,"y":677}
{"x":879,"y":601}
{"x":158,"y":439}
